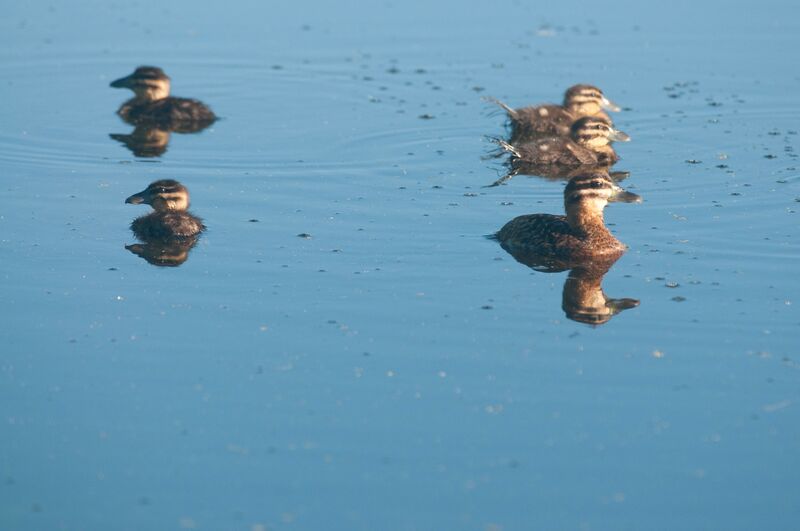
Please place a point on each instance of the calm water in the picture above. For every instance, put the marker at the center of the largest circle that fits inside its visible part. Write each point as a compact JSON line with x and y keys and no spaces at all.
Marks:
{"x":396,"y":370}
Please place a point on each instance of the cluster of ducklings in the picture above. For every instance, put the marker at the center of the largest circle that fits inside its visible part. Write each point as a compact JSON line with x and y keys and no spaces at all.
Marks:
{"x":170,"y":231}
{"x":570,"y":141}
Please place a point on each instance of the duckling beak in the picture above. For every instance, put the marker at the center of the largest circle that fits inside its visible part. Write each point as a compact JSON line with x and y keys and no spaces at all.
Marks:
{"x":623,"y":196}
{"x":607,"y":104}
{"x":618,"y":136}
{"x":618,"y":305}
{"x":136,"y":199}
{"x":123,"y":82}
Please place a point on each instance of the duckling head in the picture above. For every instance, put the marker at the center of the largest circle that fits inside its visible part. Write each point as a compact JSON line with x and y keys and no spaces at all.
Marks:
{"x":595,"y":133}
{"x":587,"y":100}
{"x":586,"y":195}
{"x":149,"y":83}
{"x":164,"y":195}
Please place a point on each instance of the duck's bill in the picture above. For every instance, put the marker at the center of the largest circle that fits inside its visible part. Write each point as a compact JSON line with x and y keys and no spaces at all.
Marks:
{"x":623,"y":196}
{"x":136,"y":199}
{"x":618,"y":305}
{"x":123,"y":82}
{"x":618,"y":136}
{"x":609,"y":105}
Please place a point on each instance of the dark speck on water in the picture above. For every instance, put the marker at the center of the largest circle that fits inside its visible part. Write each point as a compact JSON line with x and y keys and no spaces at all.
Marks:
{"x":401,"y":369}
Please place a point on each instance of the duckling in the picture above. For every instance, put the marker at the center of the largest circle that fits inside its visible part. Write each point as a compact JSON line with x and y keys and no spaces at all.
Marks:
{"x":579,"y":235}
{"x":588,"y":144}
{"x":152,"y":105}
{"x":555,"y":120}
{"x":171,"y":220}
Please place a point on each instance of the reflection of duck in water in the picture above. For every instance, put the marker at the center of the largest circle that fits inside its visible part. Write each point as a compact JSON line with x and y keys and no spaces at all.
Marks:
{"x":170,"y":232}
{"x":583,"y":298}
{"x":170,"y":219}
{"x":145,"y":141}
{"x":588,"y":147}
{"x":555,"y":120}
{"x":153,"y":106}
{"x":581,"y":234}
{"x":164,"y":253}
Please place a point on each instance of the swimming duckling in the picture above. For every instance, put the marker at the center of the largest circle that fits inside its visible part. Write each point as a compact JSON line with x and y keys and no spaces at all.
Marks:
{"x":555,"y":120}
{"x":579,"y":235}
{"x":152,"y":105}
{"x":170,"y":200}
{"x":588,"y":144}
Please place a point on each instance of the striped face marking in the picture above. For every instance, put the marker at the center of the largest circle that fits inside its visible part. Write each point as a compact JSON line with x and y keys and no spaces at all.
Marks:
{"x":147,"y":82}
{"x":593,"y":189}
{"x":587,"y":100}
{"x":166,"y":194}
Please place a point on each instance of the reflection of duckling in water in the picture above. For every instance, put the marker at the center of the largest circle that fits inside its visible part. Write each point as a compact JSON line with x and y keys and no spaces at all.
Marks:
{"x":152,"y":105}
{"x":581,"y":234}
{"x":583,"y":298}
{"x":164,"y":253}
{"x":145,"y":141}
{"x":170,"y":221}
{"x":555,"y":120}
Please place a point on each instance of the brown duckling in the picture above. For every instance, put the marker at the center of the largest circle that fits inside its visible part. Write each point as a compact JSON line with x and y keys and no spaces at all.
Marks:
{"x":171,"y":220}
{"x":579,"y":235}
{"x":555,"y":120}
{"x":152,"y":105}
{"x":589,"y":144}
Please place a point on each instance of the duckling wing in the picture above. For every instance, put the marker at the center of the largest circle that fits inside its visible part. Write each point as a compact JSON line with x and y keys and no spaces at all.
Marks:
{"x":580,"y":154}
{"x":535,"y":231}
{"x":532,"y":122}
{"x":543,"y":151}
{"x":186,"y":115}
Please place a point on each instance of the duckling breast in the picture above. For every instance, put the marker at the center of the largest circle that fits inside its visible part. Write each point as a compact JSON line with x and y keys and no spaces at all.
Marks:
{"x":174,"y":114}
{"x":167,"y":225}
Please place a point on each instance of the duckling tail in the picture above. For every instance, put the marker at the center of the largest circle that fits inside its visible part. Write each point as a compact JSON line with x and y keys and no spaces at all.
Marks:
{"x":505,"y":146}
{"x":511,"y":112}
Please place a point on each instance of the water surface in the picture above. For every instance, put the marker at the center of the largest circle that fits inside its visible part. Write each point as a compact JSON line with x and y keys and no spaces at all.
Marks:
{"x":396,"y":369}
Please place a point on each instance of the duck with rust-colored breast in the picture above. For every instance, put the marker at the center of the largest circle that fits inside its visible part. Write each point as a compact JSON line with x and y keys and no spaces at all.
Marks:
{"x":153,"y":106}
{"x":581,"y":234}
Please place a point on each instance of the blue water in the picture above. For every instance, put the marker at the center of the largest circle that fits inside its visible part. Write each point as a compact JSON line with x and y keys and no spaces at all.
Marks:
{"x":396,"y":370}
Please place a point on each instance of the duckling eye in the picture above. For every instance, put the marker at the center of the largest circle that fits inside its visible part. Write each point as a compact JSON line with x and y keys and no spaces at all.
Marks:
{"x":596,"y":184}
